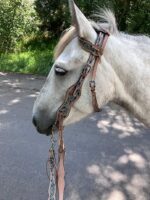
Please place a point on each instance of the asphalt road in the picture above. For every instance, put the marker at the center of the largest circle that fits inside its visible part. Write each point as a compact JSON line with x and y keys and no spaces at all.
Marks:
{"x":107,"y":155}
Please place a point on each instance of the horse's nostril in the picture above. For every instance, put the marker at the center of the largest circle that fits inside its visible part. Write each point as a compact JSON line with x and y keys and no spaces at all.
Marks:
{"x":34,"y":121}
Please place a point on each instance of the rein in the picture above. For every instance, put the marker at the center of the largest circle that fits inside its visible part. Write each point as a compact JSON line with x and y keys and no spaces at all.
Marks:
{"x":73,"y":93}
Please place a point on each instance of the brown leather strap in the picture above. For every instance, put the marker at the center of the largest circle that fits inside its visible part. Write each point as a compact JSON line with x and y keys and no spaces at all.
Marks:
{"x":73,"y":94}
{"x":93,"y":85}
{"x":89,"y":47}
{"x":103,"y":37}
{"x":61,"y":170}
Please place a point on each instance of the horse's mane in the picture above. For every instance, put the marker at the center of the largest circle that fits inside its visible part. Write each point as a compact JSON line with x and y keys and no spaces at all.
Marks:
{"x":107,"y":21}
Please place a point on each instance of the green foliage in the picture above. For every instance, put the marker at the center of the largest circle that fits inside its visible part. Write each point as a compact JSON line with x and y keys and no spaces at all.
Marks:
{"x":132,"y":15}
{"x":34,"y":62}
{"x":54,"y":15}
{"x":139,"y":17}
{"x":17,"y":19}
{"x":21,"y":20}
{"x":37,"y":60}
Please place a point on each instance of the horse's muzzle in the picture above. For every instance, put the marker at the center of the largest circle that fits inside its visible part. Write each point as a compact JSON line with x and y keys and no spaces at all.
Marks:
{"x":47,"y":131}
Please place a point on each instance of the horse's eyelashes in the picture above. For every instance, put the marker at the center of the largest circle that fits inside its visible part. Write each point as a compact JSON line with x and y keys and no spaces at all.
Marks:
{"x":60,"y":71}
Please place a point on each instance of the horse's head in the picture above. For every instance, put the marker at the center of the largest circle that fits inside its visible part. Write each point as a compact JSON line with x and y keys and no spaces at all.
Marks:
{"x":69,"y":61}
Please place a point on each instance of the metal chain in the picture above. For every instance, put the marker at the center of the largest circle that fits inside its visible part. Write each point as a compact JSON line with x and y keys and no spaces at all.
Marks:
{"x":52,"y":170}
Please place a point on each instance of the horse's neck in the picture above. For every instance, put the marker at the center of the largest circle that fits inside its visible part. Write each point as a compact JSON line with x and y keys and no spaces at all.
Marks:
{"x":131,"y":77}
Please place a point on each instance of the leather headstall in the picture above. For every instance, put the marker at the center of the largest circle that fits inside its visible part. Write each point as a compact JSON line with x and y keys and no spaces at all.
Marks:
{"x":74,"y":92}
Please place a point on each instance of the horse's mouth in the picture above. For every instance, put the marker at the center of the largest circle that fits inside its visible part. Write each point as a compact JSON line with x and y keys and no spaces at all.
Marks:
{"x":46,"y":132}
{"x":44,"y":128}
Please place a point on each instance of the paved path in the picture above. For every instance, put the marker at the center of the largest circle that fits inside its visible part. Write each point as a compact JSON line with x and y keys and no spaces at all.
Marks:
{"x":108,"y":154}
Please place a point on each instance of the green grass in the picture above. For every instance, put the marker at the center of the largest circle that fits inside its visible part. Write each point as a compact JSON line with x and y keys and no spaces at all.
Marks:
{"x":34,"y":62}
{"x":35,"y":58}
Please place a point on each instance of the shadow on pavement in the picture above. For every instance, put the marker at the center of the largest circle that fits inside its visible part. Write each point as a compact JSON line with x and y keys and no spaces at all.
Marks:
{"x":111,"y":157}
{"x":107,"y":154}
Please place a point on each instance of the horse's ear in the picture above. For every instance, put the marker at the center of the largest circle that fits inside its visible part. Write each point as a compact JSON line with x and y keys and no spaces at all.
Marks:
{"x":81,"y":23}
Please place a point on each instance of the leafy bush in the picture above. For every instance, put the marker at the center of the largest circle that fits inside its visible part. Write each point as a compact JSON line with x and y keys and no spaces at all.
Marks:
{"x":17,"y":18}
{"x":37,"y":60}
{"x":30,"y":28}
{"x":54,"y":15}
{"x":132,"y":15}
{"x":34,"y":62}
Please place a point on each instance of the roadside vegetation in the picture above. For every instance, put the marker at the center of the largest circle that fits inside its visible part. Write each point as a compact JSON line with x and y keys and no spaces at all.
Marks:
{"x":29,"y":29}
{"x":34,"y":58}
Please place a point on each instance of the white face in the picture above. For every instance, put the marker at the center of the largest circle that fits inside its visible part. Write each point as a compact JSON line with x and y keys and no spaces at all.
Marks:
{"x":64,"y":73}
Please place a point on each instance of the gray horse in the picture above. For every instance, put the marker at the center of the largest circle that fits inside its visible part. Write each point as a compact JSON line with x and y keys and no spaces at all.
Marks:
{"x":123,"y":76}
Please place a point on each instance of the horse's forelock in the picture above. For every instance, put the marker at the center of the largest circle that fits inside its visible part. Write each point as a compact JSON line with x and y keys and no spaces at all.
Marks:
{"x":64,"y":40}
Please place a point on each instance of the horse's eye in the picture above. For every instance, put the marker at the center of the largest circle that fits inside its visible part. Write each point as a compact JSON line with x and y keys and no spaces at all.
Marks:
{"x":60,"y":71}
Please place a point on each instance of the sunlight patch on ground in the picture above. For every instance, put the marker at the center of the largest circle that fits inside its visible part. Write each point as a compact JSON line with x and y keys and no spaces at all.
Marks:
{"x":32,"y":95}
{"x":116,"y":195}
{"x":105,"y":176}
{"x":103,"y":124}
{"x":117,"y":177}
{"x":3,"y":112}
{"x":134,"y":158}
{"x":5,"y":81}
{"x":31,"y":78}
{"x":94,"y":169}
{"x":18,"y":90}
{"x":93,"y":118}
{"x":109,"y":178}
{"x":124,"y":129}
{"x":12,"y":84}
{"x":137,"y":186}
{"x":14,"y":101}
{"x":74,"y":195}
{"x":120,"y":120}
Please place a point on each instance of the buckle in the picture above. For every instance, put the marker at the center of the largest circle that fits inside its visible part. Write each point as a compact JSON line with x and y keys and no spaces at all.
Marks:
{"x":105,"y":32}
{"x":92,"y":84}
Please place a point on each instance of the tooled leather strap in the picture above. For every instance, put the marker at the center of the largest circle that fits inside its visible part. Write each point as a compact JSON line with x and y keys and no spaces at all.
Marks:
{"x":73,"y":94}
